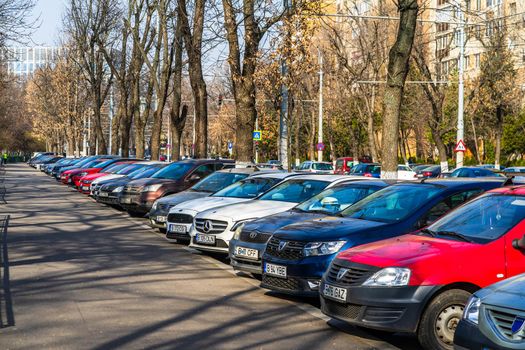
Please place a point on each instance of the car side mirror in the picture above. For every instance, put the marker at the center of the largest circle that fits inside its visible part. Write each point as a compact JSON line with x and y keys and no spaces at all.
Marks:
{"x":519,"y":244}
{"x":194,"y":177}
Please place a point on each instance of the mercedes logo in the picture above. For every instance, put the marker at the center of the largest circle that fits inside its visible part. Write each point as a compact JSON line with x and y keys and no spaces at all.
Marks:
{"x":208,"y":226}
{"x":341,"y":274}
{"x":282,"y":245}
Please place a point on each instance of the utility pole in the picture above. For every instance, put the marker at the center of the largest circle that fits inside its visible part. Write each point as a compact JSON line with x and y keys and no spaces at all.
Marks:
{"x":194,"y":121}
{"x":461,"y":93}
{"x":283,"y":122}
{"x":111,"y":111}
{"x":320,"y":129}
{"x":257,"y":146}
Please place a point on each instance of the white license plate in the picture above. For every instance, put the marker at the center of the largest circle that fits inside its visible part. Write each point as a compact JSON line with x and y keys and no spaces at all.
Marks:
{"x":333,"y":292}
{"x":276,"y":270}
{"x":103,"y":194}
{"x":160,"y":219}
{"x":205,"y":239}
{"x":126,"y":200}
{"x":85,"y":188}
{"x":180,"y":229}
{"x":247,"y":252}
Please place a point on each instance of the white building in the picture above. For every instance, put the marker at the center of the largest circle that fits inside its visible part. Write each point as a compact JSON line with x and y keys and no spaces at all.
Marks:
{"x":23,"y":61}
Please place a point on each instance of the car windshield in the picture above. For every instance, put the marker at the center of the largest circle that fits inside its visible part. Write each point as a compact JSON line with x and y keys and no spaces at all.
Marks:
{"x":144,"y":172}
{"x":392,"y":204}
{"x":114,"y":168}
{"x":105,"y":163}
{"x":322,"y":166}
{"x":247,"y":188}
{"x":173,"y":171}
{"x":481,"y":220}
{"x":295,"y":190}
{"x":218,"y":181}
{"x":129,"y":168}
{"x":91,"y":163}
{"x":335,"y":199}
{"x":366,"y":168}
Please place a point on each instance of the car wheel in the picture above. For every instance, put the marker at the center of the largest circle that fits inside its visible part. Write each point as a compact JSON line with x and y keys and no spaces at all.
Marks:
{"x":135,"y":214}
{"x":440,"y":319}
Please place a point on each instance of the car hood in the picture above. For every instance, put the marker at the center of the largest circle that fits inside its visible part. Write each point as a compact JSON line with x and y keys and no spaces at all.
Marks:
{"x":94,"y":176}
{"x":183,"y":196}
{"x":150,"y":181}
{"x":328,"y":228}
{"x":206,"y":203}
{"x":106,"y":177}
{"x":272,"y":223}
{"x":404,"y":251}
{"x":507,"y":293}
{"x":248,"y":210}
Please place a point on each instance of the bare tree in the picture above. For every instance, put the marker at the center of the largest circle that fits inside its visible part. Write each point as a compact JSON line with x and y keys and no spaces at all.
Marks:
{"x":15,"y":24}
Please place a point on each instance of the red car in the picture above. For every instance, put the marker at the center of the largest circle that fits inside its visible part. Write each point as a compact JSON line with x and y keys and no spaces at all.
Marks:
{"x":420,"y":283}
{"x":100,"y":164}
{"x":122,"y":167}
{"x":343,"y":165}
{"x":67,"y":176}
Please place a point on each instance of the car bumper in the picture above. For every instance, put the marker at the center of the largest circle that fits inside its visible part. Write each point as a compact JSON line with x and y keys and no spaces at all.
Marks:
{"x":137,"y":203}
{"x":108,"y":199}
{"x":393,"y":309}
{"x":158,"y":218}
{"x":242,"y":263}
{"x":302,"y":276}
{"x":468,"y":336}
{"x":220,"y":246}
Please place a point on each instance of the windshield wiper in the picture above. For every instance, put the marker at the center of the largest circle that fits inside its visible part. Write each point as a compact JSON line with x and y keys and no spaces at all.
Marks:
{"x":454,"y":234}
{"x":428,"y":232}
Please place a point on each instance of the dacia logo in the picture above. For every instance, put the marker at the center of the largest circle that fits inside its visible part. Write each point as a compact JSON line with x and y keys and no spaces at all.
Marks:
{"x":282,"y":245}
{"x":208,"y":226}
{"x":518,"y":326}
{"x":341,"y":274}
{"x":253,"y":234}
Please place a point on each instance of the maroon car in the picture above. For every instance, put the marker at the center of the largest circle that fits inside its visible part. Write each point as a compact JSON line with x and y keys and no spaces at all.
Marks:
{"x":139,"y":195}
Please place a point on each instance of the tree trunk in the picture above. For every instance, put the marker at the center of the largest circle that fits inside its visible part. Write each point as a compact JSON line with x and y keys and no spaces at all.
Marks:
{"x":371,"y":139}
{"x":442,"y":149}
{"x":156,"y":130}
{"x":398,"y":65}
{"x":245,"y":114}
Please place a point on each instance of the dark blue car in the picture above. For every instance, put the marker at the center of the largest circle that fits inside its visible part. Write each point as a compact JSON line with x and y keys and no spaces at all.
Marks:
{"x":297,"y":255}
{"x":249,"y":242}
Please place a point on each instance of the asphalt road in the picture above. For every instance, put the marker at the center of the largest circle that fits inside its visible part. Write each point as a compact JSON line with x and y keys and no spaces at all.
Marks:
{"x":83,"y":276}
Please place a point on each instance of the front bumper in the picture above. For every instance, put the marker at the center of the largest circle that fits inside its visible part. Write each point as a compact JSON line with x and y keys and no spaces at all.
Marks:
{"x":158,"y":218}
{"x":393,"y":309}
{"x":243,"y":263}
{"x":302,"y":276}
{"x":469,"y":336}
{"x":137,"y":203}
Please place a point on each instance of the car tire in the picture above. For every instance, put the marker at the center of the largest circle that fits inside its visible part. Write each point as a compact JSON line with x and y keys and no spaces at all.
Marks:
{"x":440,"y":319}
{"x":135,"y":214}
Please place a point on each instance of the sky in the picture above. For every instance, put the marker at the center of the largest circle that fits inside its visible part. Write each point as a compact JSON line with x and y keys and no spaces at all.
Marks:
{"x":49,"y":13}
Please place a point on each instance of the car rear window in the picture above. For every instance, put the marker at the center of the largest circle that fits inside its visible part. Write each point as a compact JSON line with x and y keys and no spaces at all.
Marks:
{"x":295,"y":191}
{"x":322,"y":166}
{"x":218,"y":181}
{"x":247,"y":188}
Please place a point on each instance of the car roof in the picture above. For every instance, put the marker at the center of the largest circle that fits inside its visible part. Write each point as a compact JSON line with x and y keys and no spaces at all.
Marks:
{"x":459,"y":182}
{"x":328,"y":178}
{"x":205,"y":160}
{"x":510,"y":190}
{"x":370,"y":181}
{"x":273,"y":175}
{"x":153,"y":162}
{"x":238,"y":170}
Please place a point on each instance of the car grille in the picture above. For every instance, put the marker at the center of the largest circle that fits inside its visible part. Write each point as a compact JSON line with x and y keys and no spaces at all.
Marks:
{"x":180,"y":218}
{"x":218,"y":227}
{"x":291,"y":251}
{"x":182,"y":236}
{"x":280,"y":283}
{"x":355,"y":275}
{"x":132,"y":189}
{"x":345,"y":311}
{"x":254,"y":236}
{"x":503,"y":320}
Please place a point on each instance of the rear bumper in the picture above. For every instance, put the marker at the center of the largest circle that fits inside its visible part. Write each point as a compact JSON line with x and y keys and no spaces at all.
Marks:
{"x":393,"y":309}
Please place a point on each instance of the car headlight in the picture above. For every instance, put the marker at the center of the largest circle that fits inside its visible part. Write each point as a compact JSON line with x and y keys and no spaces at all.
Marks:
{"x":151,"y":188}
{"x":154,"y":206}
{"x":118,"y":189}
{"x":389,"y":277}
{"x":322,"y":248}
{"x":238,"y":230}
{"x":471,"y":312}
{"x":239,"y":224}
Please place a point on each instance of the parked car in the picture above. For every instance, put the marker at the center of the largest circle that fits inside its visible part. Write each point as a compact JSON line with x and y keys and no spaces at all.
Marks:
{"x":101,"y":164}
{"x":515,"y":169}
{"x":213,"y":229}
{"x":46,"y":160}
{"x":426,"y":172}
{"x":494,"y":317}
{"x":85,"y":163}
{"x":138,"y":196}
{"x":158,"y":214}
{"x":249,"y":240}
{"x":491,"y":166}
{"x":344,"y":165}
{"x":122,"y":171}
{"x":420,"y":282}
{"x":366,"y":169}
{"x":121,"y":167}
{"x":39,"y":156}
{"x":109,"y":191}
{"x":297,"y":255}
{"x":316,"y":167}
{"x":57,"y":169}
{"x":474,"y":172}
{"x":405,"y":173}
{"x":67,"y":173}
{"x":181,"y":216}
{"x":61,"y":162}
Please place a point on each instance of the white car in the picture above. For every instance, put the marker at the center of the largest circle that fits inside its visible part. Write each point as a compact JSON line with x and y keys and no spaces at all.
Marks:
{"x":213,"y":229}
{"x":180,"y":217}
{"x":405,"y":173}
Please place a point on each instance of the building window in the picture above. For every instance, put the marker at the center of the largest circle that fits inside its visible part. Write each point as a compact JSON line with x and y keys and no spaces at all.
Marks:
{"x":477,"y":59}
{"x":466,"y":63}
{"x":478,"y":5}
{"x":512,"y":8}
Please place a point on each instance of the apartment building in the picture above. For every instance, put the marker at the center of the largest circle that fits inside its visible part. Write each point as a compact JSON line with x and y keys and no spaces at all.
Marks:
{"x":24,"y":61}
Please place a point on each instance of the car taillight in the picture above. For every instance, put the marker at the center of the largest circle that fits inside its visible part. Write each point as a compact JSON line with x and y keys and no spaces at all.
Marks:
{"x":367,"y":174}
{"x":427,"y":173}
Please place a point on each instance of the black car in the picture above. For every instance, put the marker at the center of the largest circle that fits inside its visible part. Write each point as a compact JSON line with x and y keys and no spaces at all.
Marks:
{"x":249,"y":242}
{"x":494,"y":317}
{"x":430,"y":171}
{"x":475,"y":172}
{"x":108,"y":191}
{"x":211,"y":184}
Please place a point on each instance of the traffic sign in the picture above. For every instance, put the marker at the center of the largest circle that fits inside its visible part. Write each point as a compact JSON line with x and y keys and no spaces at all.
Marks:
{"x":257,"y":135}
{"x":320,"y":146}
{"x":460,"y":147}
{"x":230,"y":145}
